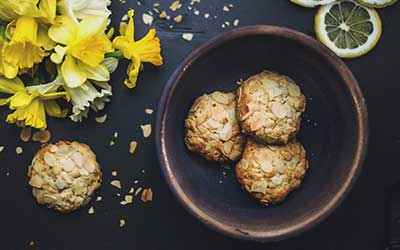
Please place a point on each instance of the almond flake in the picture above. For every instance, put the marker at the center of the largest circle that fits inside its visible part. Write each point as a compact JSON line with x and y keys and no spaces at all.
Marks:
{"x":146,"y":129}
{"x":101,"y":119}
{"x":138,"y":191}
{"x":132,"y":147}
{"x":147,"y":19}
{"x":116,"y":183}
{"x":175,"y":5}
{"x":19,"y":150}
{"x":236,"y":22}
{"x":41,"y":136}
{"x":187,"y":36}
{"x":149,"y":111}
{"x":1,"y":149}
{"x":147,"y":195}
{"x":131,"y":191}
{"x":178,"y":18}
{"x":225,"y":8}
{"x":26,"y":134}
{"x":99,"y":198}
{"x":122,"y":223}
{"x":91,"y":210}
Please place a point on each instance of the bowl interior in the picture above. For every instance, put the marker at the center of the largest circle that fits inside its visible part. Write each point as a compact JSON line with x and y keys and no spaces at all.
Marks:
{"x":329,"y":134}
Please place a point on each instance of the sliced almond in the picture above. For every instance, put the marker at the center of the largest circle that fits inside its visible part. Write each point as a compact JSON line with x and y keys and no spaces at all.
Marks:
{"x":36,"y":181}
{"x":116,"y":183}
{"x":42,"y":136}
{"x":132,"y":147}
{"x":101,"y":119}
{"x":67,"y":164}
{"x":91,"y":210}
{"x":146,"y":129}
{"x":26,"y":134}
{"x":147,"y":195}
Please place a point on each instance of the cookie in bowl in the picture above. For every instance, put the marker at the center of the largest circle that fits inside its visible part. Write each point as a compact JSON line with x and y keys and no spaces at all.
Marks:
{"x":64,"y":175}
{"x":212,"y":129}
{"x":270,"y":173}
{"x":269,"y":107}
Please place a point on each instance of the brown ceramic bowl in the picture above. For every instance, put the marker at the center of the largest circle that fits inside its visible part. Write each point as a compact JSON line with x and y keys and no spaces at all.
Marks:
{"x":334,"y":132}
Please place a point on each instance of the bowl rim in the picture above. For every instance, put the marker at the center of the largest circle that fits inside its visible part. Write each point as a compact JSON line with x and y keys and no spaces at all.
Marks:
{"x":361,"y":126}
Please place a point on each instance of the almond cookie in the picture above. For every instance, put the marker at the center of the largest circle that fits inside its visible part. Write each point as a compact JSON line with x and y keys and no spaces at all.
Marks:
{"x":212,"y":129}
{"x":63,"y":176}
{"x":269,"y":107}
{"x":270,"y":173}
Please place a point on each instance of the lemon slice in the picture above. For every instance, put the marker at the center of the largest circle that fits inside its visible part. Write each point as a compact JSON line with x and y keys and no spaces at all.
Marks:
{"x":311,"y":3}
{"x":347,"y":28}
{"x":377,"y":3}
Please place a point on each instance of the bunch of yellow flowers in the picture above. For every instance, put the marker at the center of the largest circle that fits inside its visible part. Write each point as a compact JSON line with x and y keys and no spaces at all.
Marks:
{"x":63,"y":50}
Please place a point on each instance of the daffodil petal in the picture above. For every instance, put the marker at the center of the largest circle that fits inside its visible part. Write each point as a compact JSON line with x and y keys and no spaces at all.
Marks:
{"x":4,"y":101}
{"x":64,"y":30}
{"x":98,"y":73}
{"x":58,"y":55}
{"x":73,"y":75}
{"x":47,"y":10}
{"x":21,"y":99}
{"x":133,"y":73}
{"x":33,"y":115}
{"x":44,"y":40}
{"x":11,"y":86}
{"x":92,"y":26}
{"x":129,"y":31}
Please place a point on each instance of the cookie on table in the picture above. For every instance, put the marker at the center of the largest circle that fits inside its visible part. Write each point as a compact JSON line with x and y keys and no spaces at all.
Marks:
{"x":212,"y":129}
{"x":269,"y":107}
{"x":64,"y":175}
{"x":270,"y":173}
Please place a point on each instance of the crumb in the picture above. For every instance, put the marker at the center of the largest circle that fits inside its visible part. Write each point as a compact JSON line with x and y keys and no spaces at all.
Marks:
{"x":99,"y":198}
{"x":138,"y":191}
{"x":91,"y":210}
{"x":114,"y":173}
{"x":236,"y":22}
{"x":112,"y":143}
{"x":175,"y":5}
{"x":1,"y":148}
{"x":131,"y":191}
{"x":122,"y":223}
{"x":19,"y":150}
{"x":116,"y":135}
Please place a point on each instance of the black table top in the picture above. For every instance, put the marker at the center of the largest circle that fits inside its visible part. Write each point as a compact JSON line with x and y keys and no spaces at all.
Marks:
{"x":359,"y":223}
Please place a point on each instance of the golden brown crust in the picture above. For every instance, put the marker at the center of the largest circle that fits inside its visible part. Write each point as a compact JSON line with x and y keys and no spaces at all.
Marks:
{"x":270,"y":173}
{"x":64,"y":175}
{"x":212,"y":129}
{"x":269,"y":107}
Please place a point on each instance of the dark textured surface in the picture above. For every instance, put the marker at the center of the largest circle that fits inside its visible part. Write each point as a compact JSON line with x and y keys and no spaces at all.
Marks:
{"x":357,"y":224}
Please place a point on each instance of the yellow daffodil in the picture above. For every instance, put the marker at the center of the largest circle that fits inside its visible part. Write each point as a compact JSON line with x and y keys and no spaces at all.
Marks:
{"x":23,"y":51}
{"x":31,"y":104}
{"x":85,"y":44}
{"x":27,"y":34}
{"x":12,"y":9}
{"x":6,"y":69}
{"x":144,"y":50}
